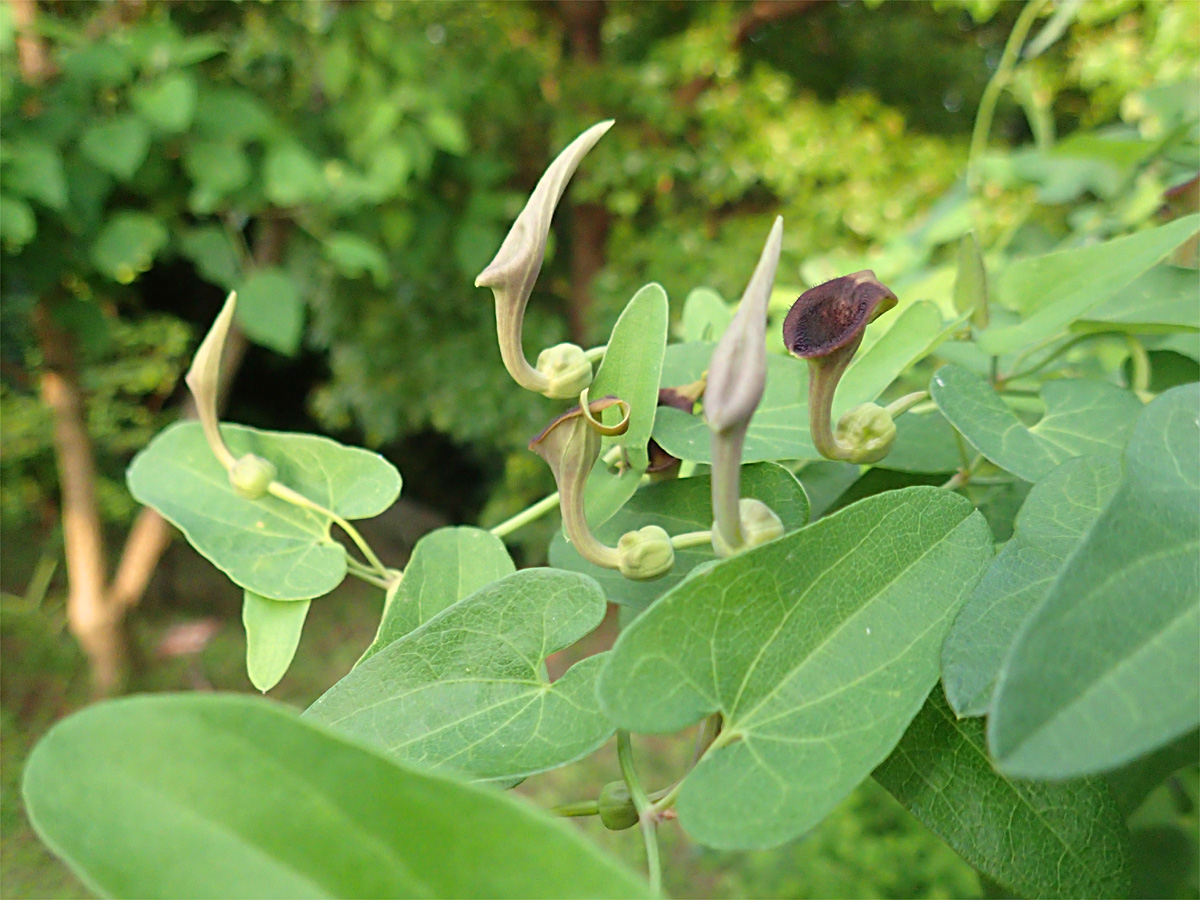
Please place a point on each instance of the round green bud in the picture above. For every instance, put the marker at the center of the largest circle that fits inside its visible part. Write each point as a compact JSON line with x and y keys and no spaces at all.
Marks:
{"x":759,"y":525}
{"x":251,"y":476}
{"x":869,"y":432}
{"x":617,"y":811}
{"x":568,"y":369}
{"x":645,"y":554}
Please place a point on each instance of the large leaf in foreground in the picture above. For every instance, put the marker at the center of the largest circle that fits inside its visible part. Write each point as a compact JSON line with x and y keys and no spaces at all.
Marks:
{"x":1054,"y":290}
{"x":779,"y":429}
{"x":1052,"y":522}
{"x":818,"y":649}
{"x":468,"y":690}
{"x":1081,"y":418}
{"x":679,"y":506}
{"x":266,"y":546}
{"x":225,"y":796}
{"x":1108,"y":668}
{"x":1040,"y":839}
{"x":446,"y":565}
{"x":630,"y":370}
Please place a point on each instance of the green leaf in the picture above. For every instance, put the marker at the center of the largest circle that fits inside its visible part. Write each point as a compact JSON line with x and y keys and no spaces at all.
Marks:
{"x":446,"y":565}
{"x":271,"y":311}
{"x":212,"y":251}
{"x":1039,"y":839}
{"x":1054,"y":290}
{"x":818,"y":649}
{"x":1107,"y":668}
{"x":705,"y":316}
{"x":970,"y":283}
{"x":34,"y":169}
{"x":468,"y":691}
{"x":1055,"y":517}
{"x":1162,"y":300}
{"x":292,"y":175}
{"x":127,"y":244}
{"x":925,"y":442}
{"x":232,"y":114}
{"x":272,"y":635}
{"x":18,"y":224}
{"x":266,"y":546}
{"x":168,"y":103}
{"x":354,"y":256}
{"x":446,"y":131}
{"x":118,"y":146}
{"x":216,"y":167}
{"x":631,"y":369}
{"x":679,"y":506}
{"x":1082,"y":418}
{"x":225,"y":796}
{"x":1131,"y":784}
{"x":779,"y":429}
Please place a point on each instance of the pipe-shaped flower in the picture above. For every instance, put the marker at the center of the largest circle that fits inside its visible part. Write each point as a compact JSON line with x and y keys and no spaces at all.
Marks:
{"x":511,"y":276}
{"x":570,"y":445}
{"x":825,"y":326}
{"x":251,"y":475}
{"x":684,"y":398}
{"x":737,"y":376}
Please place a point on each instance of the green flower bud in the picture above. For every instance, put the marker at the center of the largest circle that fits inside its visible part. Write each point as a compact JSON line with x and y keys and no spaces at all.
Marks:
{"x":203,"y":378}
{"x":251,"y":476}
{"x":568,"y":371}
{"x":758,"y":523}
{"x":645,"y":554}
{"x":868,"y":432}
{"x":617,"y":811}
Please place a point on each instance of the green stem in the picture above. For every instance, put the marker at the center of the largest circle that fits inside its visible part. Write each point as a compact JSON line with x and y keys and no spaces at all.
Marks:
{"x":579,"y":808}
{"x":525,"y":516}
{"x":358,"y":570}
{"x":646,"y":817}
{"x":998,"y":82}
{"x":1055,"y":354}
{"x":285,"y":493}
{"x":963,"y":476}
{"x":691,"y":539}
{"x":596,"y":354}
{"x":901,"y":405}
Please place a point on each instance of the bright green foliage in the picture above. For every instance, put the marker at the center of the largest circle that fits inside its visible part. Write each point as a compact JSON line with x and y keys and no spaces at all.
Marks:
{"x":446,"y":565}
{"x":1038,"y":839}
{"x":1106,"y":670}
{"x":631,"y":370}
{"x":924,"y":443}
{"x":681,"y":506}
{"x":266,"y":546}
{"x":272,"y":634}
{"x":1054,"y":519}
{"x":1081,"y":418}
{"x":258,"y":803}
{"x":705,"y":316}
{"x":817,"y":649}
{"x":467,"y":691}
{"x":270,"y":310}
{"x":1162,"y":300}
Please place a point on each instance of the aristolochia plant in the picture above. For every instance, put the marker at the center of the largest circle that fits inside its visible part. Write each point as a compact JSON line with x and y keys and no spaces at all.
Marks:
{"x":813,"y":642}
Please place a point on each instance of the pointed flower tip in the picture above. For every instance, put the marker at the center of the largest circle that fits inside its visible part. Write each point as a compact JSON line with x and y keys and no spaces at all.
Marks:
{"x":203,"y":379}
{"x":834,"y":314}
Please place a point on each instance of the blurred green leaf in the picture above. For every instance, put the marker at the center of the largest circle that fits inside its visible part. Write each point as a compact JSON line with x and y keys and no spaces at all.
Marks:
{"x":271,"y":311}
{"x":232,"y":114}
{"x":446,"y":131}
{"x":212,"y":251}
{"x":127,"y":244}
{"x":446,"y":565}
{"x":970,"y":282}
{"x":705,"y":316}
{"x":216,"y":167}
{"x":1094,"y":680}
{"x":266,"y":546}
{"x":168,"y":102}
{"x":354,"y":256}
{"x":1162,"y":300}
{"x":817,"y":649}
{"x":272,"y":635}
{"x":118,"y":146}
{"x":226,"y":796}
{"x":1039,"y":839}
{"x":18,"y":224}
{"x":467,"y":690}
{"x":34,"y":169}
{"x":293,"y":176}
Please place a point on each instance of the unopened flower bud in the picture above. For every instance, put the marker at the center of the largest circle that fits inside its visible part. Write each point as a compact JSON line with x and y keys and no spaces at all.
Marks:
{"x":203,"y":380}
{"x":868,"y":432}
{"x":567,"y":370}
{"x":617,"y":811}
{"x":645,"y":554}
{"x":759,"y":524}
{"x":251,"y":476}
{"x":825,"y":326}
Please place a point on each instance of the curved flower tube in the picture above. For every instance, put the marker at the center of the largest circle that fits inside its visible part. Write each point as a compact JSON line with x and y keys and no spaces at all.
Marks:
{"x":825,"y":326}
{"x":562,"y":371}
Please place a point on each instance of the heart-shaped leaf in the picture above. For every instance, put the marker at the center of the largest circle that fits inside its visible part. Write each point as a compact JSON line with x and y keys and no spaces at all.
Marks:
{"x":1082,"y":418}
{"x":468,"y":691}
{"x":1052,"y":522}
{"x":446,"y":565}
{"x":817,"y":649}
{"x":226,"y":796}
{"x":680,"y":506}
{"x":266,"y":546}
{"x":1039,"y":839}
{"x":1107,"y":668}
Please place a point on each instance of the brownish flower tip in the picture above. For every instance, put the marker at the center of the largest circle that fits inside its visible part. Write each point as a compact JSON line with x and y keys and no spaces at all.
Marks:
{"x":598,"y":405}
{"x":831,"y":315}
